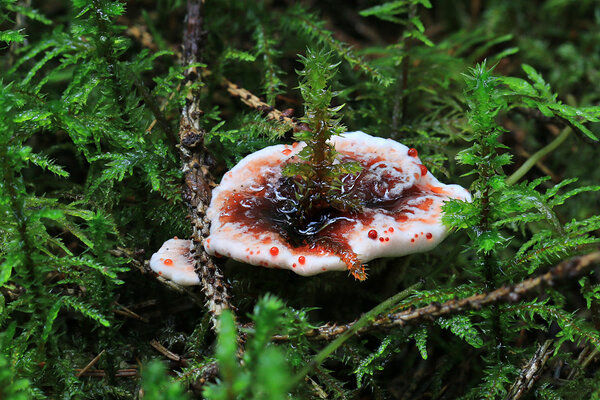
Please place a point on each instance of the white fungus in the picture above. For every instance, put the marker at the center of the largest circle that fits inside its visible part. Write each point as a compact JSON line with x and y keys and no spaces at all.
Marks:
{"x":174,"y":262}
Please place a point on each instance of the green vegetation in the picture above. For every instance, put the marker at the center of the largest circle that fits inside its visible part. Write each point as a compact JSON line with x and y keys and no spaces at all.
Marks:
{"x":499,"y":96}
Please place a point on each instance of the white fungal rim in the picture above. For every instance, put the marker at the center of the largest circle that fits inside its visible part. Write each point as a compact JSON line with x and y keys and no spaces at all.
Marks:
{"x":174,"y":261}
{"x":418,"y":228}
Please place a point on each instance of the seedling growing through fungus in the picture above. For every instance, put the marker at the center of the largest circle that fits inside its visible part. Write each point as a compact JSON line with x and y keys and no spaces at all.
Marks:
{"x":332,"y":200}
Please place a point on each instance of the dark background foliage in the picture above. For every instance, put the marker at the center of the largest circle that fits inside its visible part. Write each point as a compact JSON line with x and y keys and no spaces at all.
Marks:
{"x":498,"y":96}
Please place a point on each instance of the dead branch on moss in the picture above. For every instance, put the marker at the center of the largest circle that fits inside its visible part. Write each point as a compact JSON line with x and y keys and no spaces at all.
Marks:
{"x":531,"y":371}
{"x":197,"y":179}
{"x":247,"y":97}
{"x":567,"y":269}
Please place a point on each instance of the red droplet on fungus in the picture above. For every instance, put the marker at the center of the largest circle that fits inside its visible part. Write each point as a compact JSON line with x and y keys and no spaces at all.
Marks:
{"x":381,"y":239}
{"x":168,"y":261}
{"x":429,"y":236}
{"x":301,"y":260}
{"x":413,"y":152}
{"x":391,"y":229}
{"x":274,"y":251}
{"x":416,"y":235}
{"x":287,"y":152}
{"x":423,"y":169}
{"x":387,"y":239}
{"x":373,"y":234}
{"x":412,"y":240}
{"x":294,"y":265}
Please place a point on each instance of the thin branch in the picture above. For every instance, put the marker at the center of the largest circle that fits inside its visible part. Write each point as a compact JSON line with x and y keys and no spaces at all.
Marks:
{"x":531,"y":371}
{"x":90,"y":364}
{"x":166,"y":352}
{"x":197,"y":179}
{"x":567,"y":269}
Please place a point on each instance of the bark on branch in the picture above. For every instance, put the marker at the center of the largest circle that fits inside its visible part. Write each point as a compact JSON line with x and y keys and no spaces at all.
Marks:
{"x":195,"y":160}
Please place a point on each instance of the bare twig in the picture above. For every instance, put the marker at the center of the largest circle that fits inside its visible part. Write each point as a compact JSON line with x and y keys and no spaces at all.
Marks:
{"x":566,"y":269}
{"x":531,"y":371}
{"x":100,"y":373}
{"x":166,"y":352}
{"x":126,"y":312}
{"x":197,"y":188}
{"x":90,"y":364}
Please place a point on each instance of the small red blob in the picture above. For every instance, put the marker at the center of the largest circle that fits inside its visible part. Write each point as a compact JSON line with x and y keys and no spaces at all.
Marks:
{"x":168,"y":261}
{"x":160,"y":273}
{"x":423,"y":169}
{"x":295,"y":144}
{"x":162,"y":259}
{"x":294,"y":265}
{"x":287,"y":152}
{"x":387,"y":239}
{"x":401,"y":218}
{"x":274,"y":251}
{"x":301,"y":260}
{"x":413,"y":152}
{"x":412,"y":240}
{"x":323,"y":269}
{"x":429,"y":236}
{"x":381,"y":239}
{"x":391,"y":229}
{"x":416,"y":235}
{"x":373,"y":234}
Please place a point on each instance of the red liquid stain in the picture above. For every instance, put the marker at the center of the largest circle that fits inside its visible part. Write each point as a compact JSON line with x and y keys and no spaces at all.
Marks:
{"x":373,"y":234}
{"x":168,"y":261}
{"x":423,"y":169}
{"x":429,"y":236}
{"x":274,"y":251}
{"x":294,"y":265}
{"x":391,"y":229}
{"x":416,"y":235}
{"x":412,"y":240}
{"x":287,"y":152}
{"x":387,"y":239}
{"x":295,"y":144}
{"x":301,"y":260}
{"x":425,"y":205}
{"x":381,"y":239}
{"x":413,"y":152}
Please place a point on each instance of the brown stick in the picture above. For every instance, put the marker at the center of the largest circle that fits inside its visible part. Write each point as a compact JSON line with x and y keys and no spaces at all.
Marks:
{"x":166,"y":352}
{"x":531,"y":371}
{"x":193,"y":154}
{"x":90,"y":364}
{"x":566,"y":269}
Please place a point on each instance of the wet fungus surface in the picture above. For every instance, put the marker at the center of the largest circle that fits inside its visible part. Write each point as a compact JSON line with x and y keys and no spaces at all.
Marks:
{"x":253,"y":211}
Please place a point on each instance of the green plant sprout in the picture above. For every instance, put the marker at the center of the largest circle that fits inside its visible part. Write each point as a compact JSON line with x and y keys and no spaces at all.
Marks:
{"x":319,"y":177}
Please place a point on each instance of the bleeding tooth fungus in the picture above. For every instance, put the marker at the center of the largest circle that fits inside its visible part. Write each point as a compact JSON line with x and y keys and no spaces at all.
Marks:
{"x":253,"y":209}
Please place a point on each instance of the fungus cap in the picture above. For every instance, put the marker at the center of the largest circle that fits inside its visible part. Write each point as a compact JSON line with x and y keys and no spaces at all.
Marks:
{"x":401,"y":214}
{"x":174,"y":262}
